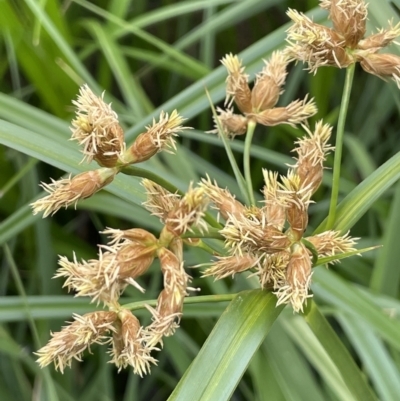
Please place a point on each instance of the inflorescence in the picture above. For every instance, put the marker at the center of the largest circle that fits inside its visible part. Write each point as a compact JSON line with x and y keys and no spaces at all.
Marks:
{"x":266,"y":239}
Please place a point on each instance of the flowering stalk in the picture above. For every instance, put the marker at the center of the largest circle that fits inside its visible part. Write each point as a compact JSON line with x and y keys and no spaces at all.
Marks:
{"x":339,"y":145}
{"x":246,"y":160}
{"x":238,"y":175}
{"x":141,"y":172}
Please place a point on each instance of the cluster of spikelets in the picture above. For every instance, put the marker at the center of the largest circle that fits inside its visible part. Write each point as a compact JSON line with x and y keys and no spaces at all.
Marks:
{"x":97,"y":130}
{"x":266,"y":239}
{"x":269,"y":239}
{"x":345,"y":43}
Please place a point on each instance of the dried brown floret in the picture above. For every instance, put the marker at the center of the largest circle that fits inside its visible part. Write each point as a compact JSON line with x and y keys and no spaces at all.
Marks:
{"x":128,"y":345}
{"x":69,"y":191}
{"x":157,"y":137}
{"x":97,"y":129}
{"x":74,"y":339}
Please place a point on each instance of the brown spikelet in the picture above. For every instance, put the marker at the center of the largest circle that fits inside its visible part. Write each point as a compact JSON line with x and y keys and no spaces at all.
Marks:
{"x":269,"y":81}
{"x":73,"y":340}
{"x":298,"y":279}
{"x":230,"y":265}
{"x":129,"y":346}
{"x":157,"y":137}
{"x":237,"y":88}
{"x":224,"y":201}
{"x":382,"y":65}
{"x":231,"y":124}
{"x":69,"y":191}
{"x":96,"y":128}
{"x":349,"y":20}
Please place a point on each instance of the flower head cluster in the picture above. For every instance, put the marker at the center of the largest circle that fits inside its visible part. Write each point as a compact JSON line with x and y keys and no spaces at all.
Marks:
{"x":258,"y":104}
{"x":344,"y":43}
{"x":127,"y":256}
{"x":97,"y":130}
{"x":270,"y":238}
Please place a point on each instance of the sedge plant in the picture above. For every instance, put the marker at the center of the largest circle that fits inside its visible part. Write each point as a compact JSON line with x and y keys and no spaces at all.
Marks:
{"x":261,"y":234}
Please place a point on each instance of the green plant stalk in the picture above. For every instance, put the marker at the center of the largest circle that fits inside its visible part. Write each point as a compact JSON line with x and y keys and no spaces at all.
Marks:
{"x":52,"y":393}
{"x":339,"y":354}
{"x":246,"y":160}
{"x":238,"y":175}
{"x":141,"y":172}
{"x":339,"y":145}
{"x":210,"y":233}
{"x":191,"y":300}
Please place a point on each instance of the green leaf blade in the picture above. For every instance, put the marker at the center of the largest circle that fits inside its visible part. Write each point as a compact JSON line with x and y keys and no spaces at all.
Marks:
{"x":231,"y":345}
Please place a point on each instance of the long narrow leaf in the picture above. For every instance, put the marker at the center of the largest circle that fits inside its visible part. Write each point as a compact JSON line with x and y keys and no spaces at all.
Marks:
{"x":353,"y":207}
{"x":222,"y":361}
{"x":340,"y":356}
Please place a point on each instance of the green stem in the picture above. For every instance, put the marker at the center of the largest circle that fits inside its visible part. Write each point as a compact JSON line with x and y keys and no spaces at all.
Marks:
{"x":339,"y":355}
{"x":246,"y":160}
{"x":191,"y":300}
{"x":339,"y":145}
{"x":141,"y":172}
{"x":211,"y":233}
{"x":238,"y":175}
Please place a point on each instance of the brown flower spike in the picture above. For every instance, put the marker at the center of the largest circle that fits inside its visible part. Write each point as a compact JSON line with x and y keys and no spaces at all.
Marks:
{"x":97,"y":129}
{"x":69,"y":191}
{"x":256,"y":237}
{"x":259,"y":104}
{"x":344,"y":44}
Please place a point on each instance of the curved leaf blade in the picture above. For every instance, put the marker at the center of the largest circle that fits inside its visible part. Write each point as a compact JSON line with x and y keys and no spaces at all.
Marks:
{"x":230,"y":346}
{"x":359,"y":201}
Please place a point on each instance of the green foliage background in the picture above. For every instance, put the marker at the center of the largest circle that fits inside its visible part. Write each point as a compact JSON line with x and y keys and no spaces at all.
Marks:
{"x":159,"y":55}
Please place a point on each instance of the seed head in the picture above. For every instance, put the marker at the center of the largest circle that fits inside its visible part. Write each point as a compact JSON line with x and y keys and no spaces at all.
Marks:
{"x":295,"y":199}
{"x":231,"y":124}
{"x":159,"y":201}
{"x":96,"y":128}
{"x":128,"y":345}
{"x":381,"y":39}
{"x":311,"y":151}
{"x":73,"y":340}
{"x":158,"y":136}
{"x":226,"y":266}
{"x":382,"y":65}
{"x":295,"y":113}
{"x":267,"y":87}
{"x":274,"y":209}
{"x":349,"y":19}
{"x":258,"y":104}
{"x":251,"y":233}
{"x":104,"y":279}
{"x":345,"y":43}
{"x":298,"y":279}
{"x":133,"y":235}
{"x":237,"y":88}
{"x":330,"y":243}
{"x":224,"y":201}
{"x":189,"y":211}
{"x":65,"y":192}
{"x":314,"y":43}
{"x":271,"y":270}
{"x":168,"y":312}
